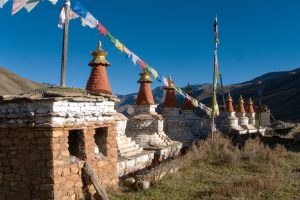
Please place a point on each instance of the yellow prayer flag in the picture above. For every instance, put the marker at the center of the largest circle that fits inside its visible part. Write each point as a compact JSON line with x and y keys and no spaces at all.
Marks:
{"x":119,"y":45}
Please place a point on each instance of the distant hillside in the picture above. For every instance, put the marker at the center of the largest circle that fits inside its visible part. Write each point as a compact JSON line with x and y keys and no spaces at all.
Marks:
{"x":11,"y":83}
{"x":280,"y":90}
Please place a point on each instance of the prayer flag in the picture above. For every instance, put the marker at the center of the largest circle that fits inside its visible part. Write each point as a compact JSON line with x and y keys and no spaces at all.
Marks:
{"x":62,"y":18}
{"x":127,"y":52}
{"x":119,"y":45}
{"x":91,"y":21}
{"x":102,"y":29}
{"x":142,"y":64}
{"x":152,"y":71}
{"x":80,"y":10}
{"x":18,"y":5}
{"x":165,"y":81}
{"x":72,"y":15}
{"x":111,"y":37}
{"x":31,"y":5}
{"x":179,"y":91}
{"x":53,"y":1}
{"x":188,"y":97}
{"x":195,"y":102}
{"x":88,"y":18}
{"x":2,"y":3}
{"x":135,"y":58}
{"x":214,"y":103}
{"x":216,"y":31}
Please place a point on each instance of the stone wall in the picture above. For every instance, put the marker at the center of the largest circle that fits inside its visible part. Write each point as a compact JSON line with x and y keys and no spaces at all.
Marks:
{"x":55,"y":112}
{"x":68,"y":179}
{"x":26,"y":161}
{"x":36,"y":164}
{"x":45,"y":143}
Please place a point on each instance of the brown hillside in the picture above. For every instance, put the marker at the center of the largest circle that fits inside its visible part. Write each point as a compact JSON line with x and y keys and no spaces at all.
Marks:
{"x":14,"y":84}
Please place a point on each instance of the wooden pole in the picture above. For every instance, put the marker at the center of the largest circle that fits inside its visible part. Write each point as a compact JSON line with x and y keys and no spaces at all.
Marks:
{"x":259,"y":116}
{"x":65,"y":45}
{"x":222,"y":90}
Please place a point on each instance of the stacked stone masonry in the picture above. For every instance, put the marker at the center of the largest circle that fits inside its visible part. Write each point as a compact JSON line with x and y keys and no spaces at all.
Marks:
{"x":37,"y":157}
{"x":131,"y":156}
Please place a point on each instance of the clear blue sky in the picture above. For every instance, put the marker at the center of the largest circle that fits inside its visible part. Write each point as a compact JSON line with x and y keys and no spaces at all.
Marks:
{"x":173,"y":36}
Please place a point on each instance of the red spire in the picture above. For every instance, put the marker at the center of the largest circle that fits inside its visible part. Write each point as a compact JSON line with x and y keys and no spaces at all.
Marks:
{"x":98,"y":82}
{"x":145,"y":96}
{"x":241,"y":108}
{"x":229,"y":106}
{"x":250,"y":106}
{"x":170,"y":98}
{"x":187,"y":104}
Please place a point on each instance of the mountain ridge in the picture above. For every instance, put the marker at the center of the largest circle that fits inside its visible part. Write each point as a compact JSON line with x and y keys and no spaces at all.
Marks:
{"x":280,"y":92}
{"x":11,"y":83}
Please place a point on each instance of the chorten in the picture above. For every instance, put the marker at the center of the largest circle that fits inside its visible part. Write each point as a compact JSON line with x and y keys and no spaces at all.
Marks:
{"x":98,"y":82}
{"x":229,"y":105}
{"x":187,"y":104}
{"x":146,"y":126}
{"x":251,"y":117}
{"x":170,"y":98}
{"x":174,"y":124}
{"x":193,"y":123}
{"x":127,"y":149}
{"x":241,"y":114}
{"x":250,"y":113}
{"x":232,"y":120}
{"x":145,"y":96}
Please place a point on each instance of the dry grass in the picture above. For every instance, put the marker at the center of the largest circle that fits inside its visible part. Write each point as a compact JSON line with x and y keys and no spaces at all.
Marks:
{"x":218,"y":170}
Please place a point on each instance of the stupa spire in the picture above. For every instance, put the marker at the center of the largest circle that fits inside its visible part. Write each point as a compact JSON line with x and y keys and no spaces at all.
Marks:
{"x":98,"y":82}
{"x":145,"y":96}
{"x":229,"y":106}
{"x":170,"y":98}
{"x":187,"y":104}
{"x":241,"y":108}
{"x":250,"y":106}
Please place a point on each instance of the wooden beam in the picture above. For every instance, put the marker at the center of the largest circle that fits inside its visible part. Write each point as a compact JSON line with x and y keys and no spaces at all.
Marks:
{"x":93,"y":178}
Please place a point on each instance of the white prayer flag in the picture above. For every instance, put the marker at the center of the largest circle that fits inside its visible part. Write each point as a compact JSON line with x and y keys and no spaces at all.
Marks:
{"x":89,"y":20}
{"x":62,"y":18}
{"x":31,"y":5}
{"x":135,"y":58}
{"x":72,"y":15}
{"x":165,"y":81}
{"x":53,"y":1}
{"x":18,"y":5}
{"x":2,"y":3}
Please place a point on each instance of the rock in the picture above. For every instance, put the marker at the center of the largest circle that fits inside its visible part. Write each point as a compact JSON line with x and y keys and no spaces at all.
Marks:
{"x":128,"y":182}
{"x":143,"y":185}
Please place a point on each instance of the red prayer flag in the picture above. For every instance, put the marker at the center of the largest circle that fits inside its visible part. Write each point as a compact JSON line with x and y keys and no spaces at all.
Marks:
{"x":102,"y":29}
{"x":143,"y":66}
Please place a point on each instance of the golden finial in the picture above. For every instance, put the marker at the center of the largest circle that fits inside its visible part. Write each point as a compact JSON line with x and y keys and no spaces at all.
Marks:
{"x":145,"y":77}
{"x":250,"y":101}
{"x":99,"y":56}
{"x":99,"y":46}
{"x":188,"y":89}
{"x":241,"y":100}
{"x":229,"y":98}
{"x":171,"y":83}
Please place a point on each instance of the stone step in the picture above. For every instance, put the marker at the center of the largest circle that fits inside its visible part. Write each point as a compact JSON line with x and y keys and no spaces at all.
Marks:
{"x":126,"y":145}
{"x":123,"y":140}
{"x":132,"y":148}
{"x":132,"y":153}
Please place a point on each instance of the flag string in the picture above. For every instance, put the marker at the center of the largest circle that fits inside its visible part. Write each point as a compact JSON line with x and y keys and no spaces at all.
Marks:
{"x":88,"y":19}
